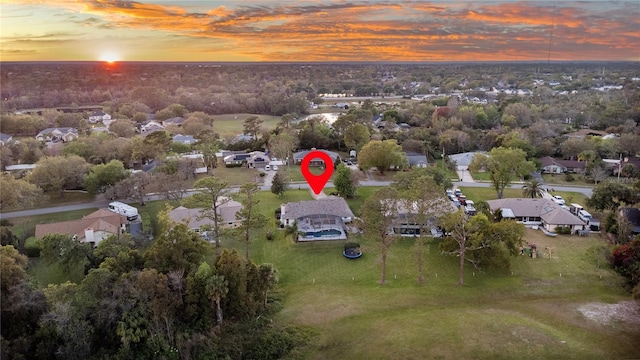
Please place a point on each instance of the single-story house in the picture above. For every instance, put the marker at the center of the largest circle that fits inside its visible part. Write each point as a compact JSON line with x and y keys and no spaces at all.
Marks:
{"x":322,"y":219}
{"x":582,"y":133}
{"x":242,"y":138}
{"x":405,"y":223}
{"x":258,"y":160}
{"x":236,"y":159}
{"x":98,"y":116}
{"x":633,"y":216}
{"x":92,"y":228}
{"x":551,"y":165}
{"x":5,"y":139}
{"x":417,"y":159}
{"x":173,"y":121}
{"x":226,"y":212}
{"x":149,"y":127}
{"x":64,"y":134}
{"x":298,"y":156}
{"x":538,"y":212}
{"x":184,"y":139}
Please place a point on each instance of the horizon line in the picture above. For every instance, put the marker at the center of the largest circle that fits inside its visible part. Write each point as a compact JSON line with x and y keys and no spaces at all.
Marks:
{"x":539,"y":61}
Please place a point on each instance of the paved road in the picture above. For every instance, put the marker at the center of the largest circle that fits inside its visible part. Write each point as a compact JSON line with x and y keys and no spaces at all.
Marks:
{"x":103,"y":203}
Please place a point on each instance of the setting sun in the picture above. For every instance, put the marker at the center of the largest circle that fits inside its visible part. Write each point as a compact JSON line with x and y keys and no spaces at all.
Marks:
{"x":109,"y":57}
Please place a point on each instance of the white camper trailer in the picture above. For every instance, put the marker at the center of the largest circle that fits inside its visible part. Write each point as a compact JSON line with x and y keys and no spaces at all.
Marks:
{"x":123,"y":209}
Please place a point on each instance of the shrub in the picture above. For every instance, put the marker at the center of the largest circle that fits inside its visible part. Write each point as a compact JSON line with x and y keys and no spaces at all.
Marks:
{"x":269,"y":234}
{"x":262,"y":174}
{"x":569,"y":177}
{"x":566,"y":230}
{"x":32,"y":247}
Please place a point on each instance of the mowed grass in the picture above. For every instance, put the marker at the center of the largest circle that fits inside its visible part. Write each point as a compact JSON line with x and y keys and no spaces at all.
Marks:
{"x":230,"y":125}
{"x":236,"y":176}
{"x":530,"y":311}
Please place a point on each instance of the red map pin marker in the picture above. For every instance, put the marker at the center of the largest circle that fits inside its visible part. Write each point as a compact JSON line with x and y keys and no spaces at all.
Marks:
{"x":317,"y":182}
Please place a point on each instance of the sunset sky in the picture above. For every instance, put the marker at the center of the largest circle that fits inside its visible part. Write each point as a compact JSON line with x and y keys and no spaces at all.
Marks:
{"x":322,"y":30}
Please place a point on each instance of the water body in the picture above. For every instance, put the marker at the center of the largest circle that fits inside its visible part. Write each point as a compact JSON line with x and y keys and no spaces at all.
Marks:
{"x":329,"y":118}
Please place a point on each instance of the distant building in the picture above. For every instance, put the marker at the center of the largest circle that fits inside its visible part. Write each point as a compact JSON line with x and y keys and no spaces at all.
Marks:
{"x":98,"y":116}
{"x":184,"y":139}
{"x":5,"y":139}
{"x":551,"y":165}
{"x":173,"y":121}
{"x":64,"y":134}
{"x":298,"y":156}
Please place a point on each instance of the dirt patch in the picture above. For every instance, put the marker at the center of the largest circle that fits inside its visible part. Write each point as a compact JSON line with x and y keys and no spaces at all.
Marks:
{"x":605,"y":314}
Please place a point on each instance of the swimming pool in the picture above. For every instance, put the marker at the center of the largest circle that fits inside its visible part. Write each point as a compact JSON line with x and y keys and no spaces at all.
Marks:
{"x":326,"y":232}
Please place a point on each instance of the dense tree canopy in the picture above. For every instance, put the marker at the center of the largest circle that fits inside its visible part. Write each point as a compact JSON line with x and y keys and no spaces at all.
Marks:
{"x":503,"y":165}
{"x":382,"y":155}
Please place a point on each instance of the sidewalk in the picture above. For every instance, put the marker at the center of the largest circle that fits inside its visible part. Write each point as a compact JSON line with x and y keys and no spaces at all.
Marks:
{"x":465,"y":175}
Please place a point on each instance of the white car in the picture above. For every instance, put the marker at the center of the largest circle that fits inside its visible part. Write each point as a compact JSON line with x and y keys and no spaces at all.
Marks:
{"x":558,"y":199}
{"x":274,"y":168}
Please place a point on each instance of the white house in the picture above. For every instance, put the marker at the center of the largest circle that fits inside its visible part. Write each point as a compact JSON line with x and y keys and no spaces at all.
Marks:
{"x":538,"y":212}
{"x":64,"y":134}
{"x":98,"y":116}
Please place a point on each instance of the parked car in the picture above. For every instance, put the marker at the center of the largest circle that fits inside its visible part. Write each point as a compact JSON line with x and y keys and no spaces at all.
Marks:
{"x":274,"y":168}
{"x":463,"y":200}
{"x":267,"y":167}
{"x":558,"y":199}
{"x":457,"y":192}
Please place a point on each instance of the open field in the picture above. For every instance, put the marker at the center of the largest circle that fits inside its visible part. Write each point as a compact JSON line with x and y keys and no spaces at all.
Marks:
{"x":230,"y":125}
{"x":567,"y":304}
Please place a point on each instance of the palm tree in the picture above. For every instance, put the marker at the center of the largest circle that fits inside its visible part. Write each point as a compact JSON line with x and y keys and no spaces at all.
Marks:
{"x":532,"y":189}
{"x":589,"y":157}
{"x":217,"y":289}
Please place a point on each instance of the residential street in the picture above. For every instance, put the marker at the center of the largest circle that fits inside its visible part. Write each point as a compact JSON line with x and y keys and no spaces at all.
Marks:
{"x":266,"y":186}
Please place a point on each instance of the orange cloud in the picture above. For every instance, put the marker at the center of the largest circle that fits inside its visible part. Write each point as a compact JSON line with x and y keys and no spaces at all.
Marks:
{"x":342,"y":30}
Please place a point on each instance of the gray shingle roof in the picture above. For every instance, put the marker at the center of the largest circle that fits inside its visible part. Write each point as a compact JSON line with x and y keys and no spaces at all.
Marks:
{"x":547,"y":210}
{"x":331,"y":205}
{"x":301,"y":154}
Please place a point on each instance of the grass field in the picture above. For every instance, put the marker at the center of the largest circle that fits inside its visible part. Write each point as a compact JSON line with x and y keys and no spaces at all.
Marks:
{"x":233,"y":124}
{"x":564,"y":305}
{"x":236,"y":176}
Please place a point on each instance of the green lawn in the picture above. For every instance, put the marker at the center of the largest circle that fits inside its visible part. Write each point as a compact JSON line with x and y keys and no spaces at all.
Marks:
{"x":295,"y":174}
{"x":233,"y":124}
{"x":236,"y":176}
{"x":532,"y":314}
{"x":579,"y":180}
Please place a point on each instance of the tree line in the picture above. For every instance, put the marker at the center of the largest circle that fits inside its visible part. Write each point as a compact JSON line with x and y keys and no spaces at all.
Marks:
{"x":173,"y":298}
